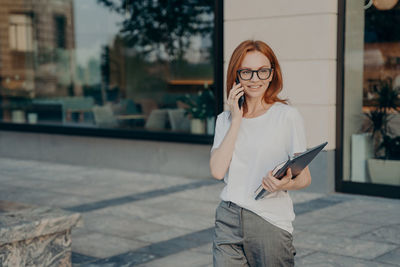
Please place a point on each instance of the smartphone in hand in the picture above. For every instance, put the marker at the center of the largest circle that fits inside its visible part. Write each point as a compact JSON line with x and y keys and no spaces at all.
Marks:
{"x":241,"y":99}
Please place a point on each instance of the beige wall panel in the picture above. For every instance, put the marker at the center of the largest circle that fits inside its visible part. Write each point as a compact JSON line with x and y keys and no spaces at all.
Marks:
{"x":292,"y":38}
{"x":239,"y":9}
{"x":320,"y":124}
{"x":309,"y":82}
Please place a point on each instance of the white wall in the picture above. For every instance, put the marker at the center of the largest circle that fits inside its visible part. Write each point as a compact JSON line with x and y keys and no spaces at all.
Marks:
{"x":303,"y":35}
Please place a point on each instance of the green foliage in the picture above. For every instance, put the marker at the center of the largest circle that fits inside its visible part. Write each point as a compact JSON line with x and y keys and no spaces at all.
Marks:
{"x":387,"y":103}
{"x":163,"y":26}
{"x":201,"y":106}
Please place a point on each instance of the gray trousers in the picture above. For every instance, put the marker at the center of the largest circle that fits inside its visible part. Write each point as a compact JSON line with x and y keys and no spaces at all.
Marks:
{"x":242,"y":238}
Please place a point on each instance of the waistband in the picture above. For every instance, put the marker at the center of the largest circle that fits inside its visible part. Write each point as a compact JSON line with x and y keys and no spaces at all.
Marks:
{"x":230,"y":204}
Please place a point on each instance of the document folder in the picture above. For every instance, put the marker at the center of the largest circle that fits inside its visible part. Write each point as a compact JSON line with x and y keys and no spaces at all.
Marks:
{"x":296,"y":164}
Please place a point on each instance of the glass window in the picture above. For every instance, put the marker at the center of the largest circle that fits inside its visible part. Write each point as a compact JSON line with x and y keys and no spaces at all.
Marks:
{"x":145,"y":65}
{"x":20,"y":32}
{"x":371,"y":92}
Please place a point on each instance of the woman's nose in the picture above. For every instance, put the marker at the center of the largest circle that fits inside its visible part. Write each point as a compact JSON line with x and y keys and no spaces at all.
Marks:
{"x":255,"y":77}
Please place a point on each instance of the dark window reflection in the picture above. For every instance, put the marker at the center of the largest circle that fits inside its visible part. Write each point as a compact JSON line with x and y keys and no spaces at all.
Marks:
{"x":145,"y":65}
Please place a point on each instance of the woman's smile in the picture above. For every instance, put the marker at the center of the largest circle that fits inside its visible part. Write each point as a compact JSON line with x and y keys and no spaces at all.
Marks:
{"x":254,"y":87}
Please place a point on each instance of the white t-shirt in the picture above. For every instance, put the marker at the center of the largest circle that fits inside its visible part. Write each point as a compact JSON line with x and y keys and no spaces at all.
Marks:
{"x":262,"y":143}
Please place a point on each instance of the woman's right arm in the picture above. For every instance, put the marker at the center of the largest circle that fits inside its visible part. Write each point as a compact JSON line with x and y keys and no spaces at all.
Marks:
{"x":221,"y":156}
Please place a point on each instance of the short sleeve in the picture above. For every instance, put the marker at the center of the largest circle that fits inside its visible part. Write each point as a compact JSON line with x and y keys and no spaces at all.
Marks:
{"x":296,"y":133}
{"x":221,"y":128}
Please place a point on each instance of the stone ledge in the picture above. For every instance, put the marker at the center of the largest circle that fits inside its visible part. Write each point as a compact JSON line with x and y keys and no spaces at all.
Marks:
{"x":21,"y":222}
{"x":35,"y":236}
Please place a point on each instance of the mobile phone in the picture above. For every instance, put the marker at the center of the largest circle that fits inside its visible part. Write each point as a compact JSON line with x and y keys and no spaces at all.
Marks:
{"x":241,"y":99}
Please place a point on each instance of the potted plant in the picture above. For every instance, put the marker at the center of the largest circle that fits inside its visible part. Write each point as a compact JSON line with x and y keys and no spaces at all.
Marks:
{"x":200,"y":108}
{"x":384,"y":168}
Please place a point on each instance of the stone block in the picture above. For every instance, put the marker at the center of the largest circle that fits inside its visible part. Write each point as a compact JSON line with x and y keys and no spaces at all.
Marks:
{"x":35,"y":236}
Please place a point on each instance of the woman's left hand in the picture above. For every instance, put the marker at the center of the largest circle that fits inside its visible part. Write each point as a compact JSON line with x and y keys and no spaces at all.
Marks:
{"x":271,"y":184}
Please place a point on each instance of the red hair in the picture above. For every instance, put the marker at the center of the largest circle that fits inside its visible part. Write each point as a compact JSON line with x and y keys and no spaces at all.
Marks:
{"x":275,"y":86}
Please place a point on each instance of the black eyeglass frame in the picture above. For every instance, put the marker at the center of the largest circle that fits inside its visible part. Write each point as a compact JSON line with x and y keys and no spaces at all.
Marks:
{"x":256,"y":71}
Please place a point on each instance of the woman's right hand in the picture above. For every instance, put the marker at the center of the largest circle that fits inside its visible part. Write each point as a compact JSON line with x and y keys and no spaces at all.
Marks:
{"x":233,"y":101}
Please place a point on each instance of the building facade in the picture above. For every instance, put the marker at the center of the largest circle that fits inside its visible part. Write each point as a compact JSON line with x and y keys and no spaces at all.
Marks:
{"x":136,"y":90}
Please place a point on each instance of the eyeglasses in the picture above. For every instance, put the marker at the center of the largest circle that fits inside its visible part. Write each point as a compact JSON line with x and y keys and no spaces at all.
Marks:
{"x":262,"y":74}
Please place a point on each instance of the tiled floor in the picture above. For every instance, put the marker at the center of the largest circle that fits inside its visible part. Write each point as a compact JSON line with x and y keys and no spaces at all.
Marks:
{"x":133,"y":218}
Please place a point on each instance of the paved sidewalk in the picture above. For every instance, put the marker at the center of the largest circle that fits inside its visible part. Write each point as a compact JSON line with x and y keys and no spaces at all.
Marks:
{"x":142,"y":219}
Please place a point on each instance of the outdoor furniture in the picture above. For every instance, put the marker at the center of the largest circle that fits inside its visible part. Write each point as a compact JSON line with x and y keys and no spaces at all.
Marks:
{"x":157,"y":120}
{"x":80,"y":105}
{"x":147,"y":105}
{"x":66,"y":105}
{"x":178,"y":120}
{"x":104,"y":116}
{"x":132,"y":120}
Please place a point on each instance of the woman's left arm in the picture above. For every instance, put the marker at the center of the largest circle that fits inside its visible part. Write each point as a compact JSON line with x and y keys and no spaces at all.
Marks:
{"x":302,"y":180}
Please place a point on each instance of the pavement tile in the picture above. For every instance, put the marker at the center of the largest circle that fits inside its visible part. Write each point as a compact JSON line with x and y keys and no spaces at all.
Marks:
{"x":299,"y":196}
{"x":184,"y":220}
{"x":35,"y":183}
{"x":185,"y":258}
{"x":158,"y":250}
{"x":305,"y":220}
{"x":174,"y":204}
{"x":340,"y":210}
{"x":338,"y":228}
{"x":18,"y":164}
{"x":47,"y":173}
{"x":41,"y":197}
{"x":116,"y":177}
{"x":321,"y":259}
{"x":392,"y":257}
{"x":163,"y":235}
{"x":388,"y":234}
{"x":302,"y":252}
{"x":205,"y":249}
{"x":104,"y":191}
{"x":381,"y":217}
{"x":131,"y":210}
{"x":124,"y":227}
{"x":101,"y":245}
{"x":77,"y":259}
{"x":341,"y":245}
{"x":204,"y":194}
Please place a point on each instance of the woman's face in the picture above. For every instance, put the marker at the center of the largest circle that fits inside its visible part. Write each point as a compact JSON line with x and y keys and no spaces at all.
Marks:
{"x":255,"y":88}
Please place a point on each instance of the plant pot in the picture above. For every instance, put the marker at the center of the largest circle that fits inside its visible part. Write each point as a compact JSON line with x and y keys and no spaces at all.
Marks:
{"x":210,"y":125}
{"x":197,"y":126}
{"x":18,"y":116}
{"x":32,"y":118}
{"x":361,"y":151}
{"x":384,"y":171}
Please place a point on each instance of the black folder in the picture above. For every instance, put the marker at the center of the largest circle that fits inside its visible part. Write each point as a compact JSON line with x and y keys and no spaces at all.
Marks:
{"x":296,"y":164}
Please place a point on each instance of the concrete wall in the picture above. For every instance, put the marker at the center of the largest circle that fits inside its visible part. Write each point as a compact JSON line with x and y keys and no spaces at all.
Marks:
{"x":134,"y":155}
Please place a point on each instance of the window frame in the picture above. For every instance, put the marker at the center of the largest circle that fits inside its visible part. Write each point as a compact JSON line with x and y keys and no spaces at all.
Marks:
{"x":371,"y":189}
{"x":19,"y":46}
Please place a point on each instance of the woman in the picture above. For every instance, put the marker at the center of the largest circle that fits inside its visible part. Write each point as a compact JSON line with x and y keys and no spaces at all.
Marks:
{"x":249,"y":142}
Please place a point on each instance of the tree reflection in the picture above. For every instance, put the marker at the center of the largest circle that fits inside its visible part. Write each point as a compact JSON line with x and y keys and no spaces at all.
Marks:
{"x":163,"y":28}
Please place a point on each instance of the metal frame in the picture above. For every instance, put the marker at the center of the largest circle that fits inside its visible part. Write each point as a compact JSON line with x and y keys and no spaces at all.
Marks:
{"x":340,"y":185}
{"x":142,"y":134}
{"x":219,"y":55}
